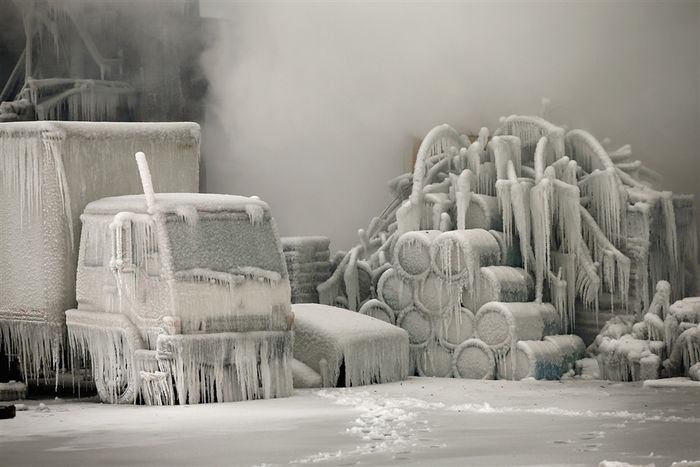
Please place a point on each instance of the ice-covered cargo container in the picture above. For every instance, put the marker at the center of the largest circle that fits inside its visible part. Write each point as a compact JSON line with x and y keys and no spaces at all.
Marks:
{"x":49,"y":172}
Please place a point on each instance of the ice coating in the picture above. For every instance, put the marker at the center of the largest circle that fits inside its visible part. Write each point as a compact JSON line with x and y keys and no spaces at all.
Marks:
{"x":49,"y":172}
{"x":588,"y":226}
{"x":228,"y":367}
{"x":370,"y":350}
{"x":474,"y":359}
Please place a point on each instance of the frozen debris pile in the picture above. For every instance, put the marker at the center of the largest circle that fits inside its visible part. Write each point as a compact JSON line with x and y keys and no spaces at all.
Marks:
{"x":308,"y":265}
{"x":531,"y":214}
{"x":348,"y":349}
{"x":664,"y":343}
{"x":49,"y":172}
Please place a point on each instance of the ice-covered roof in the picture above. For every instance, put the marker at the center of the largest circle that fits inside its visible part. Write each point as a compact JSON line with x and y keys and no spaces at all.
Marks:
{"x":103,"y":130}
{"x":173,"y":202}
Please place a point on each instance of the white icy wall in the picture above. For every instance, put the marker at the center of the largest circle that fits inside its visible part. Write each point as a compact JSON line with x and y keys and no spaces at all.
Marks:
{"x":314,"y":106}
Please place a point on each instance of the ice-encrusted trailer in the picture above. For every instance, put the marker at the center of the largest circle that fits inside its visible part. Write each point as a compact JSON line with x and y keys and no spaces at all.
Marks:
{"x":182,"y":290}
{"x":49,"y":172}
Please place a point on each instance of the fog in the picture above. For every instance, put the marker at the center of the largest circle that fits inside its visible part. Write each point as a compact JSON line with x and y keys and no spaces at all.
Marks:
{"x":314,"y":106}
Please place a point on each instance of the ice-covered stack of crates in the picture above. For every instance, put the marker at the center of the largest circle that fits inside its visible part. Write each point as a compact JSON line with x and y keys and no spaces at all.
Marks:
{"x":308,"y":264}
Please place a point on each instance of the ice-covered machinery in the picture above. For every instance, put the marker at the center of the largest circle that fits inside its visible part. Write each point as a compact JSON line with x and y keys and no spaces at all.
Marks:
{"x":49,"y":172}
{"x":182,"y":297}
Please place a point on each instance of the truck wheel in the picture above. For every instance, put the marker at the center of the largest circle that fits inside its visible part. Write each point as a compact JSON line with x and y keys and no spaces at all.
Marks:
{"x":122,"y":389}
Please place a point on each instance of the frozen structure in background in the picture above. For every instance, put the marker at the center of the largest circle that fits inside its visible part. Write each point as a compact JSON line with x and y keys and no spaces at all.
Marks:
{"x":495,"y":251}
{"x":49,"y":172}
{"x":182,"y":290}
{"x":665,"y":342}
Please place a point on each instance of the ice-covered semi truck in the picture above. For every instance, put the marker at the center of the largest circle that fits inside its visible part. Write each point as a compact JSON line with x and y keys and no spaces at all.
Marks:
{"x":184,"y":290}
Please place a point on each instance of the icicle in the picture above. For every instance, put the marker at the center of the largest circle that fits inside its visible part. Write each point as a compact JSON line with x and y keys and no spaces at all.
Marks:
{"x":567,"y":216}
{"x":608,"y":203}
{"x":515,"y":152}
{"x":474,"y":157}
{"x":587,"y":279}
{"x":616,"y":266}
{"x":463,"y":197}
{"x":38,"y":346}
{"x":486,"y":179}
{"x":582,"y":147}
{"x":190,"y":216}
{"x":505,"y":205}
{"x":531,"y":129}
{"x":540,"y":202}
{"x":502,"y":155}
{"x":239,"y":366}
{"x":483,"y":136}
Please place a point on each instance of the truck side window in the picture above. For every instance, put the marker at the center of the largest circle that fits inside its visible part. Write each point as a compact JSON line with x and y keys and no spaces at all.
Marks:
{"x":145,"y":249}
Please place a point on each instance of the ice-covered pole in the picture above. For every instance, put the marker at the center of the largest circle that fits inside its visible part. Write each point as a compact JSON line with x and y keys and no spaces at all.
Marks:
{"x":146,"y":181}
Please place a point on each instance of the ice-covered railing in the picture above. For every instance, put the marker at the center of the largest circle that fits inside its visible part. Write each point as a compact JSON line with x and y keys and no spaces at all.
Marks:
{"x":79,"y":99}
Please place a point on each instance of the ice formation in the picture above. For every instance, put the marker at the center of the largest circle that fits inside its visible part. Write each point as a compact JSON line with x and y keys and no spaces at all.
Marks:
{"x":665,"y":342}
{"x":49,"y":172}
{"x":534,"y":214}
{"x":308,"y":264}
{"x":347,"y":348}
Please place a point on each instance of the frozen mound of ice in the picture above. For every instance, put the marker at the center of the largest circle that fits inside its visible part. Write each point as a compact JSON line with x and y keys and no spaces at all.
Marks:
{"x":49,"y":172}
{"x":665,"y":342}
{"x":347,"y":348}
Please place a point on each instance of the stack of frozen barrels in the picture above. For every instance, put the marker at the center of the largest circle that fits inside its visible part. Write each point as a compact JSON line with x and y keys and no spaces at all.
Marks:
{"x":308,"y":264}
{"x":467,"y":306}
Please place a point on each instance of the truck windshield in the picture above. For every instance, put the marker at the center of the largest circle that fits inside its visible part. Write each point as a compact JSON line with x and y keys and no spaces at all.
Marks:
{"x":224,"y":242}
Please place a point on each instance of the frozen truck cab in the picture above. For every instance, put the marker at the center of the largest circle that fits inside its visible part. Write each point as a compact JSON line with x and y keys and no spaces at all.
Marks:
{"x":182,"y":297}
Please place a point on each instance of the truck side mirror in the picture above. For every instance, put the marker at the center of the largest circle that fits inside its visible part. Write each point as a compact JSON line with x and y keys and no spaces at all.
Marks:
{"x":121,"y":259}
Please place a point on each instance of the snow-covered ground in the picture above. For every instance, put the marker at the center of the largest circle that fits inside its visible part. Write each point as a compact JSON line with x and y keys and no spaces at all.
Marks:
{"x":422,"y":421}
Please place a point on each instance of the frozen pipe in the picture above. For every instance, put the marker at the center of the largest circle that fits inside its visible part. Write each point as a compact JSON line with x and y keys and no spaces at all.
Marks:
{"x":533,"y":359}
{"x":510,"y":254}
{"x":504,"y":284}
{"x":585,"y":149}
{"x":395,"y":291}
{"x":500,"y":324}
{"x":473,"y":359}
{"x":412,"y":253}
{"x":457,"y":255}
{"x":483,"y":213}
{"x":379,"y":310}
{"x":571,"y":347}
{"x":435,"y":361}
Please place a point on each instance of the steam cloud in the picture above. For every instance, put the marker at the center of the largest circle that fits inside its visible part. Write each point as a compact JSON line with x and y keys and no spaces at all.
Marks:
{"x":314,"y":106}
